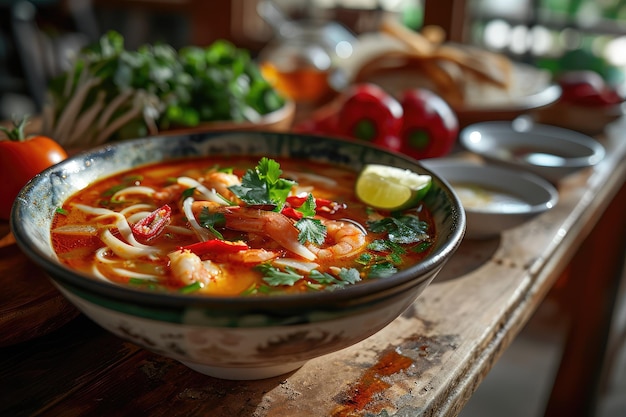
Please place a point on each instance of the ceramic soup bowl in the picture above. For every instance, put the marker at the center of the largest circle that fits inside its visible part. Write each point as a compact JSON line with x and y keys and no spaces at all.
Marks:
{"x":232,"y":337}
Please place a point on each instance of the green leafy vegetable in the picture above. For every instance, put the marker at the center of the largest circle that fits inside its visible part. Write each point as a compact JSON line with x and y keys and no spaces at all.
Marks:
{"x":210,"y":220}
{"x":308,"y":207}
{"x":311,"y":230}
{"x":275,"y":276}
{"x":263,"y":185}
{"x":401,"y":228}
{"x":114,"y":93}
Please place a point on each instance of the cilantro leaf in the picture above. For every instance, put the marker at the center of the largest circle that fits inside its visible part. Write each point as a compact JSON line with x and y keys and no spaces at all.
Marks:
{"x":382,"y":270}
{"x":210,"y":220}
{"x":349,"y":275}
{"x":345,"y":277}
{"x":253,"y":190}
{"x":311,"y":230}
{"x":275,"y":277}
{"x":263,"y":185}
{"x":308,"y":207}
{"x":401,"y":228}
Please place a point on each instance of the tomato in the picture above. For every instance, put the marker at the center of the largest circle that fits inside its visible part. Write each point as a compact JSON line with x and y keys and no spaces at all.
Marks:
{"x":20,"y":160}
{"x":430,"y":126}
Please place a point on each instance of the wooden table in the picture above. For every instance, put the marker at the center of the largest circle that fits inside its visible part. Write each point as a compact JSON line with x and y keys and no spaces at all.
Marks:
{"x":427,"y":362}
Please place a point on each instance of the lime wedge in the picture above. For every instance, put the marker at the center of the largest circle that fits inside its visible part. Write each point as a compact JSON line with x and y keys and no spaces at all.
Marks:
{"x":389,"y":188}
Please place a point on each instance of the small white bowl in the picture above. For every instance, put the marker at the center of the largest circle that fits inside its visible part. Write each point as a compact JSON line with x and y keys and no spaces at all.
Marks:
{"x":549,"y":151}
{"x":494,"y":198}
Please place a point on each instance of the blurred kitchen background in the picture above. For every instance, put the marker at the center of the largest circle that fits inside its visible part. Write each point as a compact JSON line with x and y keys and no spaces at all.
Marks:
{"x":39,"y":37}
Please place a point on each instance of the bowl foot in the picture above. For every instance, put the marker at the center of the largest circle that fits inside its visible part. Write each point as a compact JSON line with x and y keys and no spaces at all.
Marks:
{"x":244,"y":373}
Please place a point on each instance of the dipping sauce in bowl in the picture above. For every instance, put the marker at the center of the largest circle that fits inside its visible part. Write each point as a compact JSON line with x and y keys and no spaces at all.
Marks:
{"x":485,"y":198}
{"x":495,"y":198}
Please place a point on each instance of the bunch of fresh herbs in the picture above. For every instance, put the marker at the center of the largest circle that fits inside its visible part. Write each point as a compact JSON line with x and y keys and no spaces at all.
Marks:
{"x":114,"y":93}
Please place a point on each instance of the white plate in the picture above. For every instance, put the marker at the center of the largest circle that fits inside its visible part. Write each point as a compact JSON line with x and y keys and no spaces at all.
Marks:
{"x":549,"y":151}
{"x":519,"y":196}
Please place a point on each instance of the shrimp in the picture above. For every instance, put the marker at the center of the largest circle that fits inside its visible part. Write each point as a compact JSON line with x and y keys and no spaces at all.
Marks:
{"x":226,"y":279}
{"x":199,"y":205}
{"x":187,"y":268}
{"x":275,"y":225}
{"x":168,"y":194}
{"x":343,"y":239}
{"x":220,"y":181}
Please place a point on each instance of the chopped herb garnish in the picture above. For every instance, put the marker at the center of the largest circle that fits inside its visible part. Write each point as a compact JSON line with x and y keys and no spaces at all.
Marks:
{"x":308,"y":207}
{"x":404,"y":228}
{"x":210,"y":220}
{"x":382,"y":270}
{"x":263,"y":185}
{"x":275,"y":277}
{"x":311,"y":230}
{"x":188,"y":192}
{"x":422,"y":247}
{"x":61,"y":211}
{"x":193,"y":287}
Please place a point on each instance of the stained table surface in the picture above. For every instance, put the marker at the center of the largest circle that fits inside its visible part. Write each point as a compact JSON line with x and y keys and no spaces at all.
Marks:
{"x":427,"y":362}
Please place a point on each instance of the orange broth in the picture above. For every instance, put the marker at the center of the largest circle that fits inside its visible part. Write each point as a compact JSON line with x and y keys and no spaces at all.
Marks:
{"x":77,"y":235}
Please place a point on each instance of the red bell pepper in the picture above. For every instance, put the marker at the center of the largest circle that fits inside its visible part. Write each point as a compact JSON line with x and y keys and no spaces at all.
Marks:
{"x":587,"y":88}
{"x":215,"y":246}
{"x":430,"y":126}
{"x":370,"y":113}
{"x":153,"y":225}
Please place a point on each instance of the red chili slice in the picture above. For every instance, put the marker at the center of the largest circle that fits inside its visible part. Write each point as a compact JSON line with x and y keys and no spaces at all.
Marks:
{"x":153,"y":225}
{"x":291,"y":213}
{"x":295,"y":201}
{"x":215,"y":246}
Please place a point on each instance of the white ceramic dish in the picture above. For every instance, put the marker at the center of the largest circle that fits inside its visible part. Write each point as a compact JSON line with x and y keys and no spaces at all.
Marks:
{"x":549,"y":151}
{"x":494,"y":198}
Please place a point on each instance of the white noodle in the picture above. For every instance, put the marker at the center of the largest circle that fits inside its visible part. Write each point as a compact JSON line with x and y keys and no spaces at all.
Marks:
{"x":131,"y":274}
{"x":138,"y":189}
{"x":123,"y":249}
{"x":101,"y":256}
{"x":202,"y":233}
{"x":209,"y":195}
{"x":143,"y":207}
{"x":135,"y":217}
{"x":296,"y":264}
{"x":120,"y":222}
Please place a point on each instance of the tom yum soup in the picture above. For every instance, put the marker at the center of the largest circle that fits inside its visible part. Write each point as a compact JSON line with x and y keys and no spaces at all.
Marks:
{"x":236,"y":226}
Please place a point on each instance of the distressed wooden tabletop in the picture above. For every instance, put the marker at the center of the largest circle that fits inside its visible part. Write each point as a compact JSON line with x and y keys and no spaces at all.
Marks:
{"x":427,"y":362}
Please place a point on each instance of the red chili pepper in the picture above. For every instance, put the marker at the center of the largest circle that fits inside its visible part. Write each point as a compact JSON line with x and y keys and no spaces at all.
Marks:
{"x":215,"y":246}
{"x":370,"y":113}
{"x":153,"y":225}
{"x":296,"y":201}
{"x":291,"y":213}
{"x":430,"y":126}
